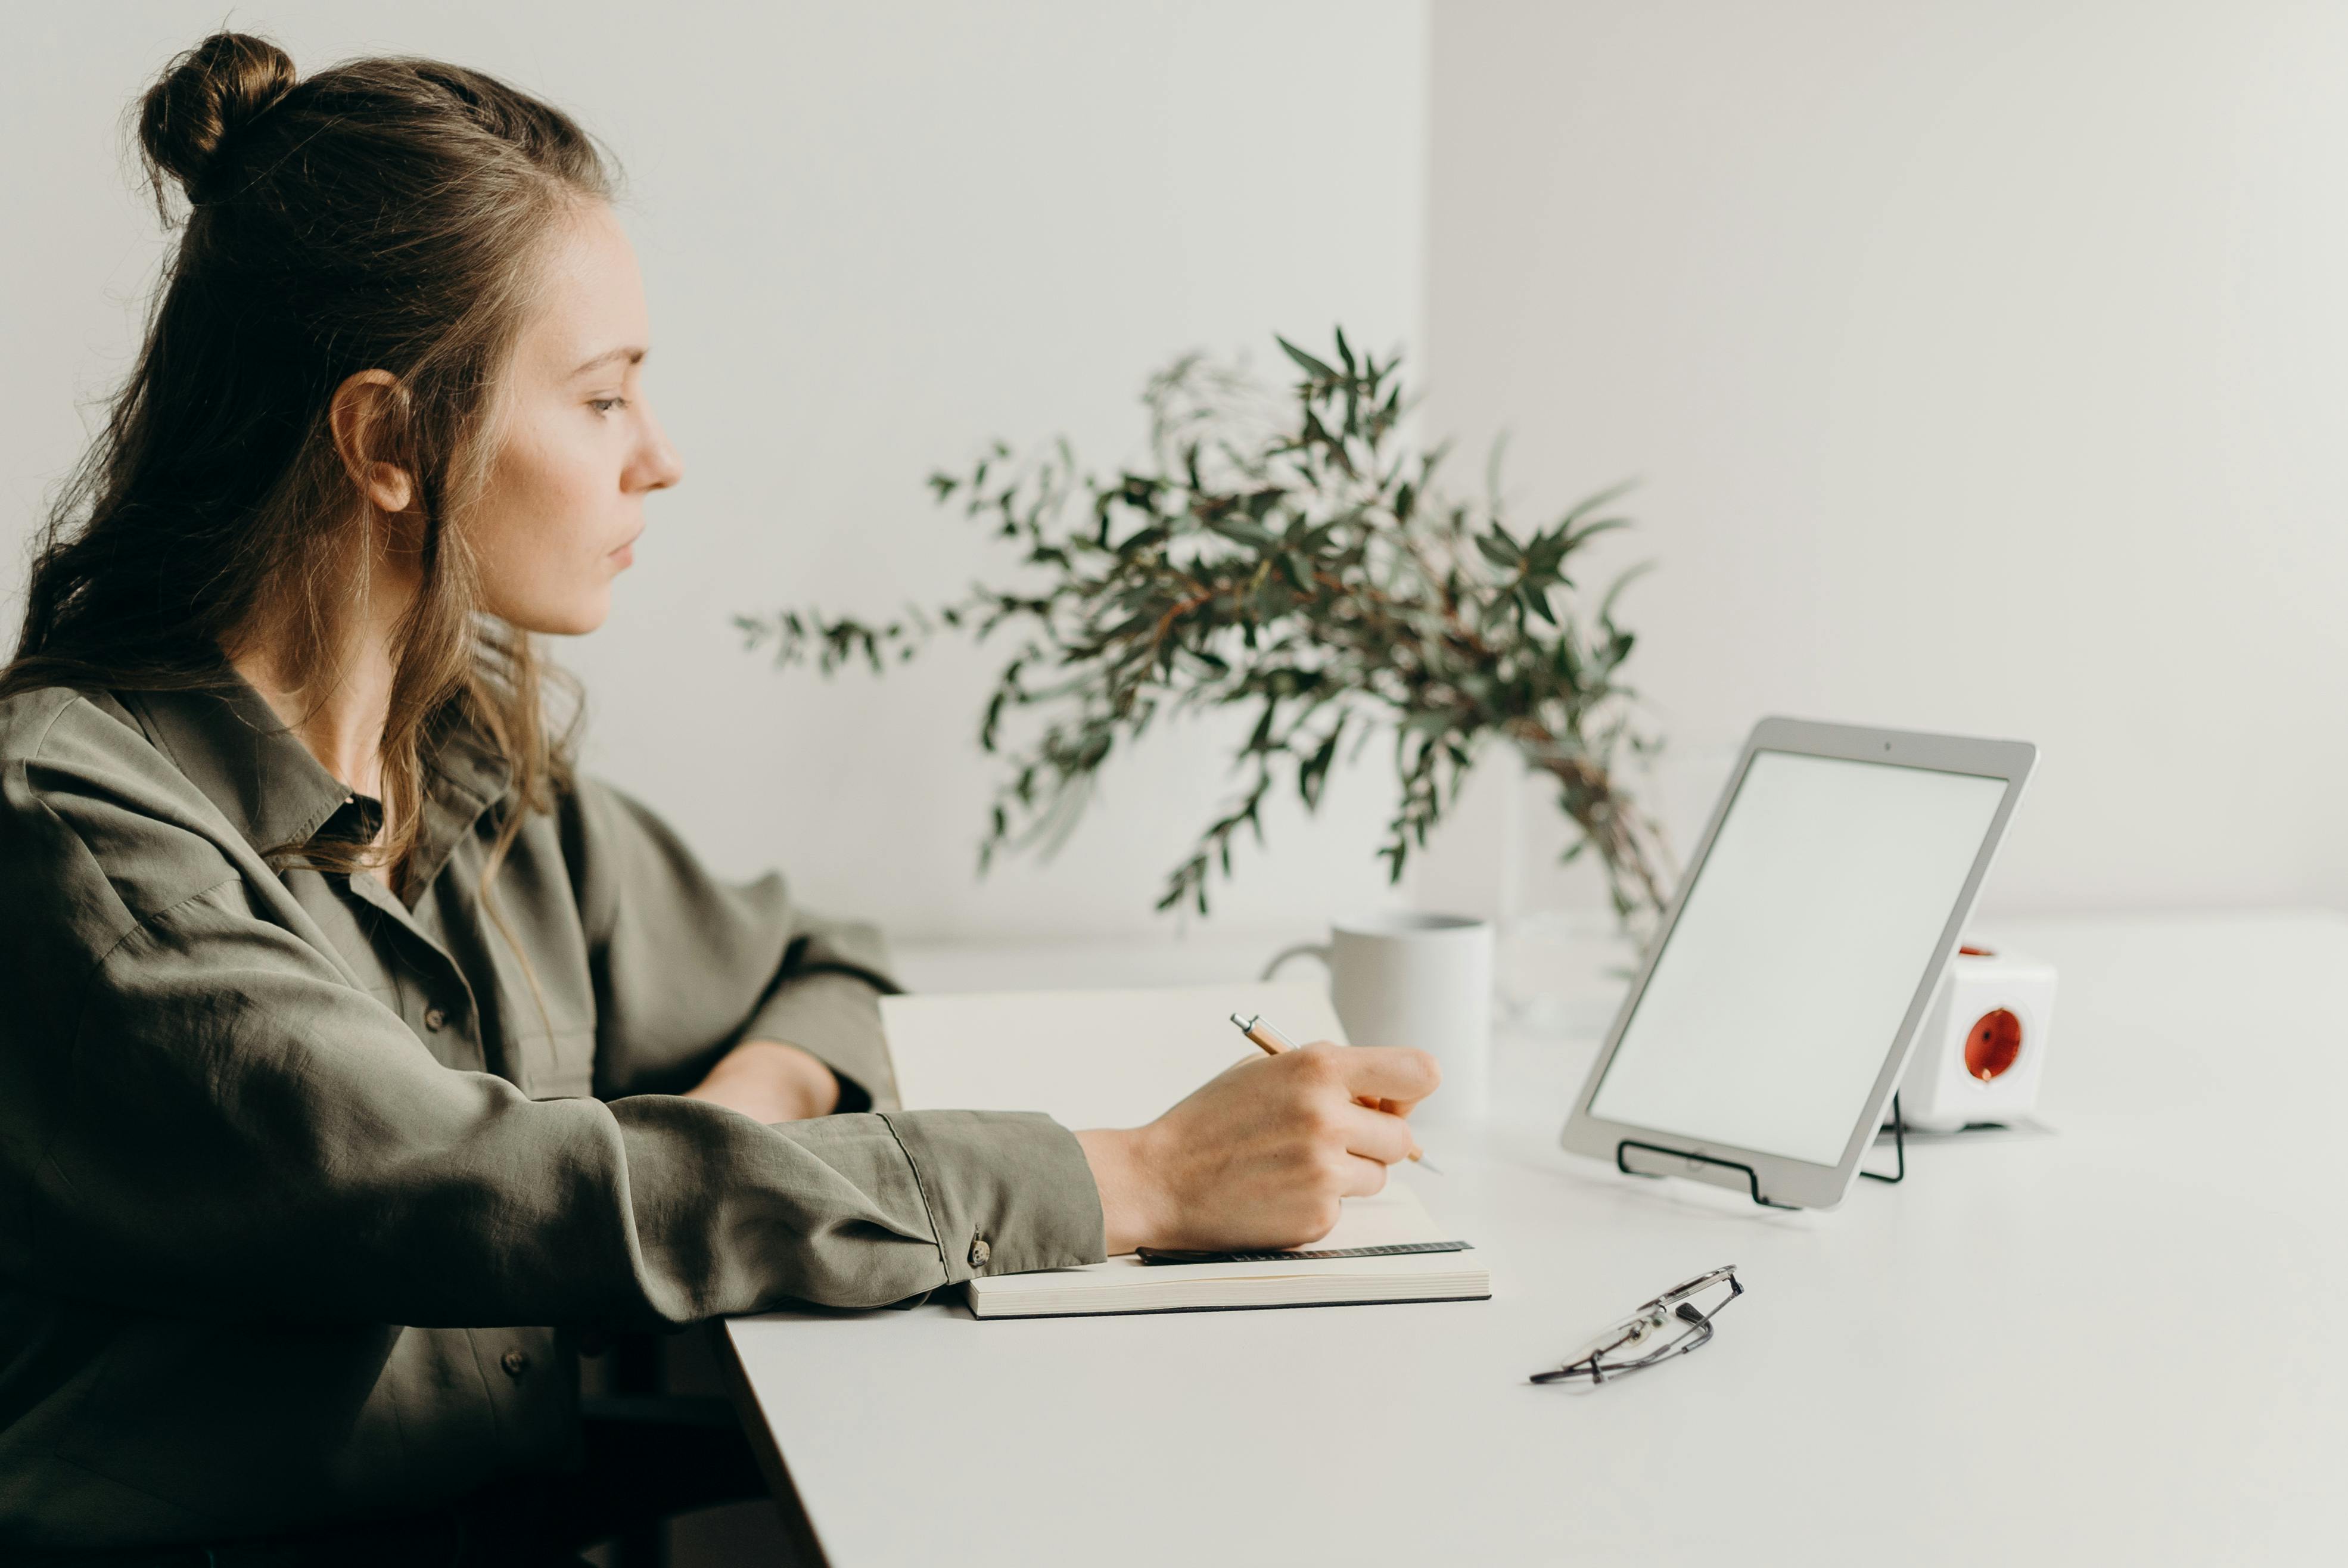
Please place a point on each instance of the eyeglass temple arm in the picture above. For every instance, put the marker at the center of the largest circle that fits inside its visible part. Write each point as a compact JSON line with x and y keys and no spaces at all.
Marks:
{"x":1585,"y":1365}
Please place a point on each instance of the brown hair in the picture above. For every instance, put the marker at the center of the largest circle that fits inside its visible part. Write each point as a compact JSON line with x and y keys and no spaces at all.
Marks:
{"x":383,"y":214}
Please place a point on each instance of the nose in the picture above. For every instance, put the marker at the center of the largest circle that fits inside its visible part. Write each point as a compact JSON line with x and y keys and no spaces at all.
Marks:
{"x":656,"y":465}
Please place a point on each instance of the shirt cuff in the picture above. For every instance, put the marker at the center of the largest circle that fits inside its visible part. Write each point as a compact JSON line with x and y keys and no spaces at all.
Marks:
{"x":1008,"y":1191}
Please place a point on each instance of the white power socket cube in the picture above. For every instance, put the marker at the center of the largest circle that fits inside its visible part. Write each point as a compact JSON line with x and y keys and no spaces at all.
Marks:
{"x":1982,"y":1046}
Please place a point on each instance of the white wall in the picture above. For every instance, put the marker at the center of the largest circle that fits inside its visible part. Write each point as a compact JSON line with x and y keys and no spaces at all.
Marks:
{"x":1987,"y":368}
{"x":1987,"y":365}
{"x":874,"y":237}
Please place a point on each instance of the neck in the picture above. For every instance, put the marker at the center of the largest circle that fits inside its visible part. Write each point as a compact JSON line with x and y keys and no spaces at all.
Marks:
{"x":339,"y":711}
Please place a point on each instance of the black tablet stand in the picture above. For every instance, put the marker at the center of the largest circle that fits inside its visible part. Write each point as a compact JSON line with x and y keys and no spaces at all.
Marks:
{"x":1752,"y":1178}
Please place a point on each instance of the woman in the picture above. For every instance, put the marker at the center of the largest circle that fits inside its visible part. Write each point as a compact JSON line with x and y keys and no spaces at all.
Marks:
{"x":360,"y":1055}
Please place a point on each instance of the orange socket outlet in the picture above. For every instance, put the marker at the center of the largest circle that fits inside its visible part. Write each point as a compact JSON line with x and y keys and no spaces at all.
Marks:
{"x":1993,"y":1043}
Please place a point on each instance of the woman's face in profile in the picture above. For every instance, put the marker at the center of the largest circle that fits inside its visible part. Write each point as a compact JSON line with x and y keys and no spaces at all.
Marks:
{"x":579,"y":448}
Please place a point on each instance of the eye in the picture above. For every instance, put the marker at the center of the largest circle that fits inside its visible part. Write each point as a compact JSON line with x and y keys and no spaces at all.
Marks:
{"x":605,"y":405}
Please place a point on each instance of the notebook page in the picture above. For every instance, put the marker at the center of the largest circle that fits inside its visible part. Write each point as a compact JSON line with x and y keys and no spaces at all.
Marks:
{"x":1389,"y":1217}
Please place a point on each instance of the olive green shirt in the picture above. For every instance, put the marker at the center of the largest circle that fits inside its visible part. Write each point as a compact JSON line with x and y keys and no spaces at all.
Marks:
{"x":305,"y":1204}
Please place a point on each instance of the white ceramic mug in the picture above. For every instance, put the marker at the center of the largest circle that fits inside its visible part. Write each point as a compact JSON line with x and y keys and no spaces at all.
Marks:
{"x":1422,"y":980}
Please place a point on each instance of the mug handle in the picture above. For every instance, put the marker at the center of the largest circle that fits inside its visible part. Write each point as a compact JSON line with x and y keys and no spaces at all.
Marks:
{"x":1301,"y":950}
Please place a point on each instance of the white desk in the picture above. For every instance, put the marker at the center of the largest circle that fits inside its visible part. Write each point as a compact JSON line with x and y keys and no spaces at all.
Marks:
{"x":2125,"y":1342}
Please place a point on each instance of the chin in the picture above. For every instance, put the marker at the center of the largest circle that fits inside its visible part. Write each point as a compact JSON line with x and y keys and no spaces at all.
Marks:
{"x":565,"y":620}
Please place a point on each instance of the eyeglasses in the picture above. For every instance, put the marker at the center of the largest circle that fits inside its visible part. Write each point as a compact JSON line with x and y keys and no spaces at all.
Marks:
{"x":1673,"y":1324}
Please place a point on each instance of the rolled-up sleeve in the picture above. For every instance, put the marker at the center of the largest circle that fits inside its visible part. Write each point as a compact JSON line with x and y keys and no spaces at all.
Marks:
{"x":232,"y":1130}
{"x":686,"y":965}
{"x":202,"y":1115}
{"x":823,"y":998}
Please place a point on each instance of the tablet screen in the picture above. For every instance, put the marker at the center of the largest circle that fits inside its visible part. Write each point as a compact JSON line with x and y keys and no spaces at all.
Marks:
{"x":1809,"y":926}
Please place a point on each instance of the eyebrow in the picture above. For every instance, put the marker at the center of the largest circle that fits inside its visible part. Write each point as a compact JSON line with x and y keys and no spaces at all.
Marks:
{"x":631,"y":354}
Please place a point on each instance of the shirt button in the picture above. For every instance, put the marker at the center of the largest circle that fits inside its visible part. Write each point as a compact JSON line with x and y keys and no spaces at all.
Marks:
{"x":435,"y":1019}
{"x":979,"y":1252}
{"x":514,"y":1362}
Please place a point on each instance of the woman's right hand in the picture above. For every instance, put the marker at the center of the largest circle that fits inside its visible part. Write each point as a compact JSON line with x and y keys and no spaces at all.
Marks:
{"x":1259,"y":1156}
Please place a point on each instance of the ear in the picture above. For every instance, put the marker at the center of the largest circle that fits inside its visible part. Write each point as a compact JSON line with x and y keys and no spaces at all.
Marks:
{"x":364,"y":414}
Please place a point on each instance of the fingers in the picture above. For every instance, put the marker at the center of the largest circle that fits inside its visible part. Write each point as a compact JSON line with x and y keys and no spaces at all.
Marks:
{"x":1263,"y":1154}
{"x":1375,"y":1134}
{"x":1397,"y":1073}
{"x":1369,"y":1125}
{"x":1362,"y":1178}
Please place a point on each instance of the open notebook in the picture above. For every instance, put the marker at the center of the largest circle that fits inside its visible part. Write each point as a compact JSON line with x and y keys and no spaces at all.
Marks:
{"x":1117,"y":1058}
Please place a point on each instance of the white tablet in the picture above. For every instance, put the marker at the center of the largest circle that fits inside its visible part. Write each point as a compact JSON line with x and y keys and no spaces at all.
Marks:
{"x":1771,"y":1020}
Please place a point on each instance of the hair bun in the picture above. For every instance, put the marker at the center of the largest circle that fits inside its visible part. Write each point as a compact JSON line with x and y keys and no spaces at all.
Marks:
{"x":206,"y":96}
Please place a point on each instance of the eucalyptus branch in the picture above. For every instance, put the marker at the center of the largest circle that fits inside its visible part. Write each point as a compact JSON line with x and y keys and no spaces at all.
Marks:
{"x":1295,"y":559}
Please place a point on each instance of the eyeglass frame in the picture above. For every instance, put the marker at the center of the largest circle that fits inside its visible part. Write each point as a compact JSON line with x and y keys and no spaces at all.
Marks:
{"x":1672,"y":1304}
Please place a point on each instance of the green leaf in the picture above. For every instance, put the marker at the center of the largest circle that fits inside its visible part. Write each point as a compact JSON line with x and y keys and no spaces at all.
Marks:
{"x":1311,"y":367}
{"x":1261,"y":739}
{"x":1240,"y":531}
{"x":1606,"y":605}
{"x":1591,"y":503}
{"x":1492,"y":466}
{"x":1543,"y":555}
{"x":1495,"y":548}
{"x":1313,"y":773}
{"x":1588,"y":531}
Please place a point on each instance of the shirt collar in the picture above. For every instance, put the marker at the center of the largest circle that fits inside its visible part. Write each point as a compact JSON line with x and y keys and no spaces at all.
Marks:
{"x":231,"y":745}
{"x":465,"y":774}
